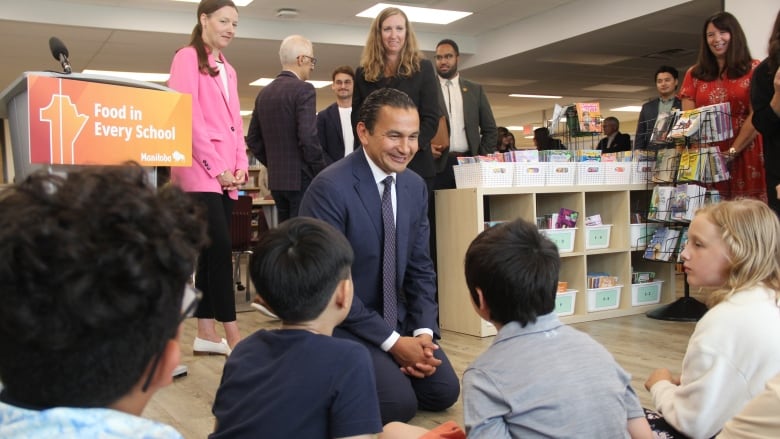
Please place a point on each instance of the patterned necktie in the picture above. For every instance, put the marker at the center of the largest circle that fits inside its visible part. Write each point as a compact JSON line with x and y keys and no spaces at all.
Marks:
{"x":388,"y":256}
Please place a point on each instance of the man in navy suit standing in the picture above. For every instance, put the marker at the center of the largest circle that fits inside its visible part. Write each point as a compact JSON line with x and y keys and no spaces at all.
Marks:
{"x":283,"y":130}
{"x":666,"y":78}
{"x":359,"y":195}
{"x":334,"y":124}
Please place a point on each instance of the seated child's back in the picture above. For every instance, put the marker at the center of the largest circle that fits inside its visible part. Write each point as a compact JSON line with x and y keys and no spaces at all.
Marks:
{"x":539,"y":378}
{"x":298,"y":381}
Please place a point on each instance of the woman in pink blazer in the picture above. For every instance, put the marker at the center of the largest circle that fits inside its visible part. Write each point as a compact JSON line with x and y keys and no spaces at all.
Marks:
{"x":219,"y":163}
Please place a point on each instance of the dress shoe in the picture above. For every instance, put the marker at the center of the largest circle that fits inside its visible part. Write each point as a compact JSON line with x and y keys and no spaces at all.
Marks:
{"x":180,"y":371}
{"x":205,"y":347}
{"x":263,"y":310}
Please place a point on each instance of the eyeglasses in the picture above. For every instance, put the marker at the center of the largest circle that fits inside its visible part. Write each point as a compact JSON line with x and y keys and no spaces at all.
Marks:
{"x":311,"y":58}
{"x":189,"y":303}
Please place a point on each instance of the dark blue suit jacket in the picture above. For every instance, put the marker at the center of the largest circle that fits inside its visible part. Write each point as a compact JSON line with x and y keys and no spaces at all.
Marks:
{"x":346,"y":196}
{"x":330,"y":134}
{"x":283,"y":132}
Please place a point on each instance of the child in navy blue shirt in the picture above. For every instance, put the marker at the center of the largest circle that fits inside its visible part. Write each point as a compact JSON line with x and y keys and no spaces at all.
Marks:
{"x":298,"y":381}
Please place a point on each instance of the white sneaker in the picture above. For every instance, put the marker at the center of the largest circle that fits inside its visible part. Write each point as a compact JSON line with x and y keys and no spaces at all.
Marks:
{"x":263,"y":310}
{"x":180,"y":371}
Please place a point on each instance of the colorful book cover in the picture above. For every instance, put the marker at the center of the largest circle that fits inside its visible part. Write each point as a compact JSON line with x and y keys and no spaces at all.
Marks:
{"x":689,"y":165}
{"x":589,"y":117}
{"x":567,"y":219}
{"x":656,"y":244}
{"x":660,"y":134}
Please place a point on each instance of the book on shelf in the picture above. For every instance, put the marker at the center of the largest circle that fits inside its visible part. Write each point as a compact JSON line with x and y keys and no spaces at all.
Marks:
{"x":653,"y":249}
{"x":686,"y":125}
{"x":662,"y":245}
{"x":687,"y":199}
{"x":670,"y":240}
{"x":659,"y":203}
{"x":716,"y":169}
{"x":660,"y":134}
{"x":681,"y":245}
{"x":558,"y":112}
{"x":688,"y":170}
{"x":665,"y":169}
{"x":567,"y":218}
{"x":589,"y":117}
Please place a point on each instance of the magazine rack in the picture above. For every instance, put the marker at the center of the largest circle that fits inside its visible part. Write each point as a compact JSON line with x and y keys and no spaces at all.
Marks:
{"x":686,"y":167}
{"x":578,"y":132}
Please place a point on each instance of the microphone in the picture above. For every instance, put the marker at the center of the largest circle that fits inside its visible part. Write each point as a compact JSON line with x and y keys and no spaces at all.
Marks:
{"x":60,"y":53}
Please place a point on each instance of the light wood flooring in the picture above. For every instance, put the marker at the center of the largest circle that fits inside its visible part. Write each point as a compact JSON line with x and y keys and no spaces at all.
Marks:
{"x":638,"y":343}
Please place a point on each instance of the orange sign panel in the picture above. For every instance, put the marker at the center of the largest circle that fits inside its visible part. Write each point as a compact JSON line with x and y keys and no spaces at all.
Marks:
{"x":77,"y":122}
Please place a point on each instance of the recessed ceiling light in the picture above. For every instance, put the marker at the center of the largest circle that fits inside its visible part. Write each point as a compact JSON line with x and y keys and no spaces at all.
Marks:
{"x":262,"y":82}
{"x":237,"y":2}
{"x":515,"y":128}
{"x":286,"y":13}
{"x":628,"y":109}
{"x":417,"y":14}
{"x":518,"y":95}
{"x":617,"y":88}
{"x":138,"y":76}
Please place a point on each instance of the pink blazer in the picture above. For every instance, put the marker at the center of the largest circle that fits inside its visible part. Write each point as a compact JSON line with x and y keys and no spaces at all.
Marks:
{"x":217,"y":129}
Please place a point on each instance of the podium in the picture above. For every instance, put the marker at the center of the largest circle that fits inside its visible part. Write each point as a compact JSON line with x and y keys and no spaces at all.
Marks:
{"x":63,"y":121}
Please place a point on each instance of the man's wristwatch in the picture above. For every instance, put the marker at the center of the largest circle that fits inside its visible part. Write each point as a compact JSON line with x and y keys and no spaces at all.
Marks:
{"x":732,"y":151}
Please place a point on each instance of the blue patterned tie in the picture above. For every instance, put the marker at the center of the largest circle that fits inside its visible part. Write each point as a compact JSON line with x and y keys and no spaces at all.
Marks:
{"x":388,"y":256}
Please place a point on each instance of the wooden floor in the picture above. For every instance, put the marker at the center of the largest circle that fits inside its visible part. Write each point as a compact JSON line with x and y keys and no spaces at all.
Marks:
{"x":638,"y":343}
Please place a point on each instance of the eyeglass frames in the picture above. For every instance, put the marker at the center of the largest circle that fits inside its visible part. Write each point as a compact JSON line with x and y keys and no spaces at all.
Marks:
{"x":311,"y":58}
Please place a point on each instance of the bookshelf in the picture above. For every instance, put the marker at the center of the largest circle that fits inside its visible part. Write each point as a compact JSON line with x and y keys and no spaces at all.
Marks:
{"x":460,"y":217}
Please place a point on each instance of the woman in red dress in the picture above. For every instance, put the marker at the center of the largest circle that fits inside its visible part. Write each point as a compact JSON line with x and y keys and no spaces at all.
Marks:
{"x":722,"y":74}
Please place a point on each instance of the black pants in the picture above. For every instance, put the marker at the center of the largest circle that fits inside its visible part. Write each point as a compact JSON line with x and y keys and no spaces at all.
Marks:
{"x":399,"y":395}
{"x":214,"y":274}
{"x":288,"y":202}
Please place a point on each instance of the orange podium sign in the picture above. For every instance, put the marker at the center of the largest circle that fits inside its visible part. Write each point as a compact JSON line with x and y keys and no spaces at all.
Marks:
{"x":74,"y":122}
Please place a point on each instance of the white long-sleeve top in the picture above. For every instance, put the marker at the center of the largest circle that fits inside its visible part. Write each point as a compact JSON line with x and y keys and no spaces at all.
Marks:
{"x":733,"y":352}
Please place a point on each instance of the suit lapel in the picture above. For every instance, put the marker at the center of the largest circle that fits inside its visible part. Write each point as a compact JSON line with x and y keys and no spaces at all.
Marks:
{"x":336,"y":118}
{"x":218,"y":80}
{"x":367,"y":190}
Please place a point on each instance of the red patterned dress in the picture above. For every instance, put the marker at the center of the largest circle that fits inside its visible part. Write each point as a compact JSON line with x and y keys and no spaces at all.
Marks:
{"x":747,"y":169}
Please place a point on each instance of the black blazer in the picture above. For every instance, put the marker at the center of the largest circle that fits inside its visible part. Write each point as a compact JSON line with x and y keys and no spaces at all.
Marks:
{"x":423,"y":87}
{"x":330,"y":134}
{"x":622,"y":142}
{"x":647,"y":117}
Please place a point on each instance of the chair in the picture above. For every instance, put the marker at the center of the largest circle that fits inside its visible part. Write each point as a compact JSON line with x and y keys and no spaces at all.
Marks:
{"x":241,"y":239}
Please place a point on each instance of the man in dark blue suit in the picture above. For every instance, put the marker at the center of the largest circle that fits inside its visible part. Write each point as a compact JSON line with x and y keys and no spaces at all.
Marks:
{"x":283,"y":131}
{"x":411,"y":370}
{"x":666,"y":79}
{"x":334,"y":124}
